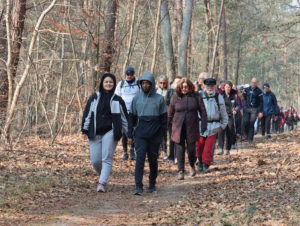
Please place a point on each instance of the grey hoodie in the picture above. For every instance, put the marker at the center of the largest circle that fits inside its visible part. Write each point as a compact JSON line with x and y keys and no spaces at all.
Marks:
{"x":148,"y":112}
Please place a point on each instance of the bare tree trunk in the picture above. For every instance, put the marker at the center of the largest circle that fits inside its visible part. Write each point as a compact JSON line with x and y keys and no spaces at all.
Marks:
{"x":176,"y":28}
{"x":216,"y":40}
{"x":62,"y":66}
{"x":129,"y":45}
{"x":225,"y":66}
{"x":28,"y":64}
{"x":155,"y":37}
{"x":238,"y":58}
{"x":109,"y":37}
{"x":209,"y":33}
{"x":184,"y":37}
{"x":167,"y":40}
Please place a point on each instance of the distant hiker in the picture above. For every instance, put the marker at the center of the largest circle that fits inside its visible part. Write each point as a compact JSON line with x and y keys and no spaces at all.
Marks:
{"x":269,"y":109}
{"x":183,"y":115}
{"x":217,"y":120}
{"x":220,"y":89}
{"x":232,"y":104}
{"x":128,"y":88}
{"x":104,"y":117}
{"x":254,"y":106}
{"x":289,"y":120}
{"x":199,"y":85}
{"x":148,"y":115}
{"x":167,"y":93}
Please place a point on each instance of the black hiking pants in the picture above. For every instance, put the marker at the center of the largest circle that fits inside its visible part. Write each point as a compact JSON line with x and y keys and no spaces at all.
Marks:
{"x":229,"y":134}
{"x":149,"y":147}
{"x":266,"y":125}
{"x":249,"y":117}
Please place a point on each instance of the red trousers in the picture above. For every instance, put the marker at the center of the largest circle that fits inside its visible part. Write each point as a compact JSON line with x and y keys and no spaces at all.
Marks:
{"x":204,"y":148}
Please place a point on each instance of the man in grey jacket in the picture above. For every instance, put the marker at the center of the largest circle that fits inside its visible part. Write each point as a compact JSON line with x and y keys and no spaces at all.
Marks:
{"x":148,"y":115}
{"x":217,"y":120}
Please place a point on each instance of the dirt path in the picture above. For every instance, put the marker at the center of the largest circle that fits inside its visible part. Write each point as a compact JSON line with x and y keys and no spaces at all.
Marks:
{"x":258,"y":186}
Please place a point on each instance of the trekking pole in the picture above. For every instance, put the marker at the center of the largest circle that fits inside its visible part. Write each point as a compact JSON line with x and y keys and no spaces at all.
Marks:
{"x":234,"y":124}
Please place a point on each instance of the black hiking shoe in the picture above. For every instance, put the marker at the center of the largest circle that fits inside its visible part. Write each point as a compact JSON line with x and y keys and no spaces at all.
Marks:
{"x":151,"y":189}
{"x":200,"y":165}
{"x":205,"y":168}
{"x":125,"y":156}
{"x":138,"y":191}
{"x":132,"y":154}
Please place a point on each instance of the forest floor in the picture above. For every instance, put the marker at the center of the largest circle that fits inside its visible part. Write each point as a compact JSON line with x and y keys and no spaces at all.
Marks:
{"x":56,"y":185}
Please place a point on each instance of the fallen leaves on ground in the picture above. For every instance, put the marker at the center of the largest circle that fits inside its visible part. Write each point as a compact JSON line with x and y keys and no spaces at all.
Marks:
{"x":55,"y":184}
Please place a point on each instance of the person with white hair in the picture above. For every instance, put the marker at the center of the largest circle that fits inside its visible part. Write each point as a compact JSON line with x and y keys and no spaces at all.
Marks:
{"x":199,"y":85}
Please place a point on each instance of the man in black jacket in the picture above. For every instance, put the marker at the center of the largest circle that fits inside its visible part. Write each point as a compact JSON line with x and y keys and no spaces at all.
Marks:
{"x":254,"y":105}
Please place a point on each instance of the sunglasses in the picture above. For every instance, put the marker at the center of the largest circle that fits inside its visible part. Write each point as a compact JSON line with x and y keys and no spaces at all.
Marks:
{"x":163,"y":83}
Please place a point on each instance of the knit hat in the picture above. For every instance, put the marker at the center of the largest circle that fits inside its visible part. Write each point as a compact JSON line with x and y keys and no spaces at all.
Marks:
{"x":266,"y":85}
{"x":129,"y":70}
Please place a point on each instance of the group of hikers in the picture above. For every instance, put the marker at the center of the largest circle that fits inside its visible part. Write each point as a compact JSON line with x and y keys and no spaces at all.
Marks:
{"x":195,"y":115}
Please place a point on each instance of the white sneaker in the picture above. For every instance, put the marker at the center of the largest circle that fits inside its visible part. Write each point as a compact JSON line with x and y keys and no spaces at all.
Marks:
{"x":220,"y":152}
{"x":165,"y":156}
{"x":175,"y":161}
{"x":101,"y":188}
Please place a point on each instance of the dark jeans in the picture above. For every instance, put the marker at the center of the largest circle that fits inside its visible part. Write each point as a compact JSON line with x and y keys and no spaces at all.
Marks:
{"x":171,"y":145}
{"x":266,"y":124}
{"x":163,"y":145}
{"x":124,"y":142}
{"x":149,"y":147}
{"x":180,"y":151}
{"x":229,"y":133}
{"x":249,"y":117}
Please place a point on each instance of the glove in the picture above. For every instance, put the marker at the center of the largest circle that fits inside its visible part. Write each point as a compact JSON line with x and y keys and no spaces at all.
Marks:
{"x":203,"y":130}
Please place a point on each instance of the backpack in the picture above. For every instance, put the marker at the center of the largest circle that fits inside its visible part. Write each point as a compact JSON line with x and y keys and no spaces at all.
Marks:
{"x":216,"y":96}
{"x":123,"y":82}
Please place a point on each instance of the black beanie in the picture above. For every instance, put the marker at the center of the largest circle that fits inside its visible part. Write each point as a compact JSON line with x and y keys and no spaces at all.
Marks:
{"x":101,"y":89}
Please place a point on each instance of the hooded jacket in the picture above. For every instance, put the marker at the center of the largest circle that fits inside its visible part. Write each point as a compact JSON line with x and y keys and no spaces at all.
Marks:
{"x":117,"y":109}
{"x":269,"y":104}
{"x":148,"y":113}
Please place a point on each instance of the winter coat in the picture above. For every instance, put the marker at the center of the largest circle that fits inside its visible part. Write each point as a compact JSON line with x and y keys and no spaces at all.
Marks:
{"x":216,"y":115}
{"x":128,"y":91}
{"x":232,"y":102}
{"x":148,"y":113}
{"x":166,"y":93}
{"x":185,"y":109}
{"x":118,"y":111}
{"x":269,"y":104}
{"x":253,"y":98}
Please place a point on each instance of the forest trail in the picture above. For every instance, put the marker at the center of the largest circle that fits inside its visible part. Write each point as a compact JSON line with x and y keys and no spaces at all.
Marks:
{"x":251,"y":186}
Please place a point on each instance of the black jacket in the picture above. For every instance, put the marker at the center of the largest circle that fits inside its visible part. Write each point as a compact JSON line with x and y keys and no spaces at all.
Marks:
{"x":118,"y":111}
{"x":254,"y":98}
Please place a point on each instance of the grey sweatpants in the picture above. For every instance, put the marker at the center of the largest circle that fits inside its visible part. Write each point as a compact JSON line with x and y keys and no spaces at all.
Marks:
{"x":102,"y":150}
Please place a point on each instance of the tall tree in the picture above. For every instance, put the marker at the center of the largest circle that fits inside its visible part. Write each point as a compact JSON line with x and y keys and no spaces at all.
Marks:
{"x":224,"y":46}
{"x":106,"y":57}
{"x":184,"y":37}
{"x":167,"y":40}
{"x":155,"y":45}
{"x":209,"y":33}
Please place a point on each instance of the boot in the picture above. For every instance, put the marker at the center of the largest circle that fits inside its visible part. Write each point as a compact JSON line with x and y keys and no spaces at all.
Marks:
{"x":180,"y":175}
{"x":132,"y":154}
{"x":200,"y":165}
{"x":193,"y":171}
{"x":205,"y":168}
{"x":227,"y":152}
{"x":125,"y":155}
{"x":151,"y":188}
{"x":220,"y":152}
